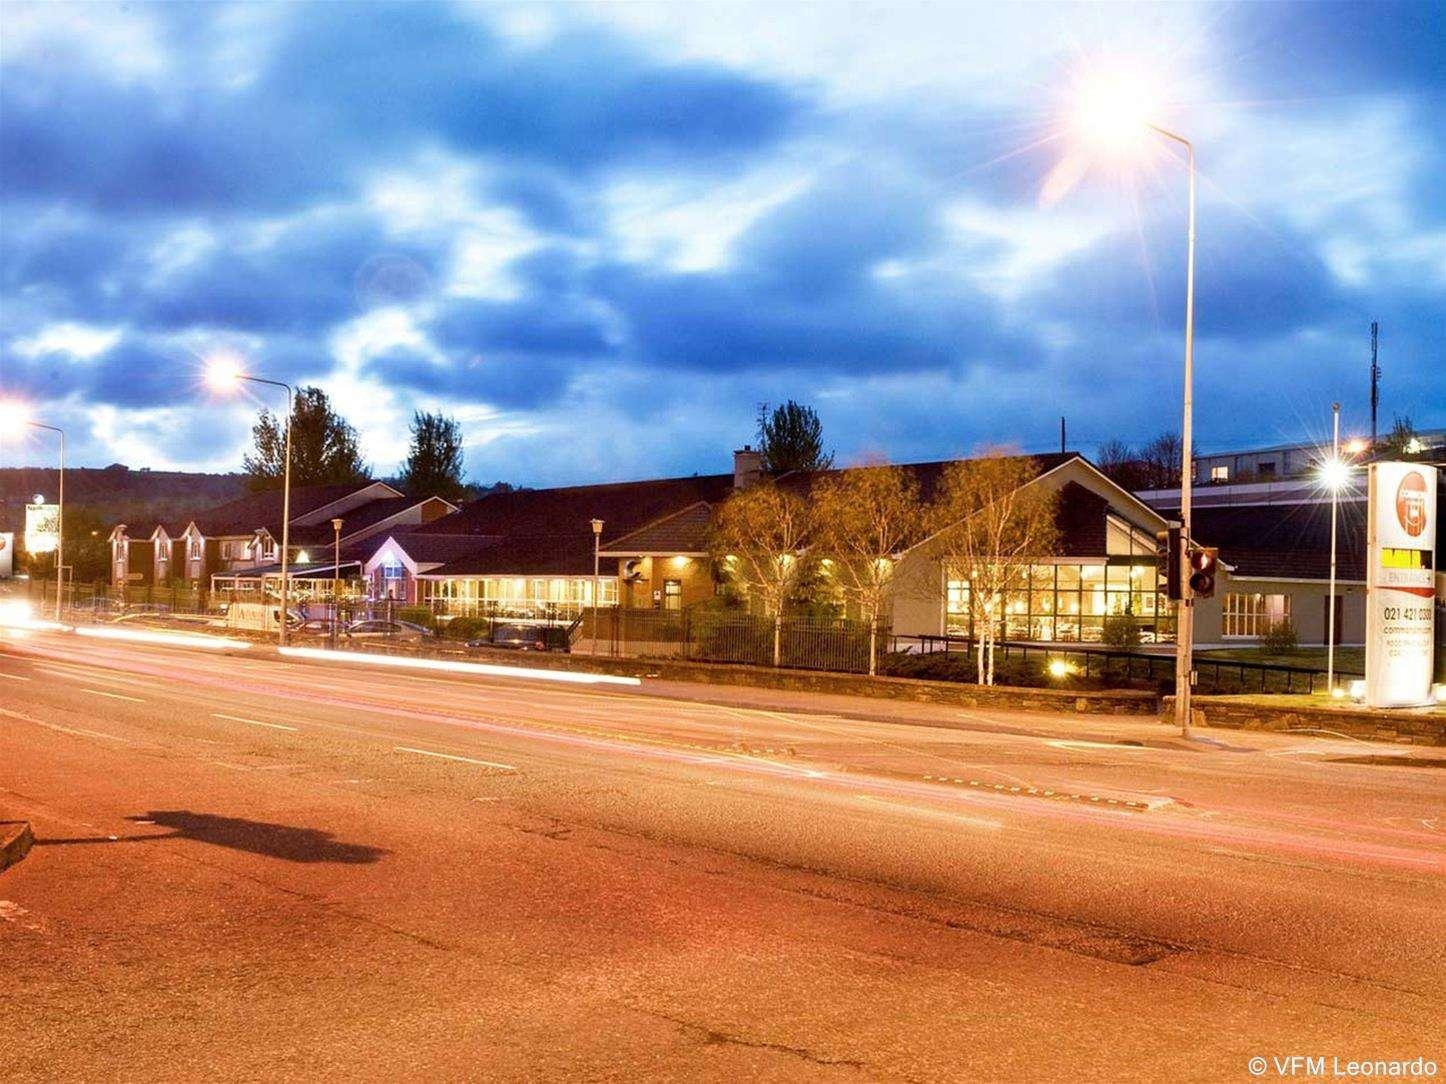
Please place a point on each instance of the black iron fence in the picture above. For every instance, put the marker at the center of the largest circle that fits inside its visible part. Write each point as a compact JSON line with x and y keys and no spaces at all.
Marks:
{"x":1213,"y":675}
{"x":712,"y":635}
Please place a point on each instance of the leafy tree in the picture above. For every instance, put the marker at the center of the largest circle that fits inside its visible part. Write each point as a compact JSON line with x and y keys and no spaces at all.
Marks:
{"x":866,"y":517}
{"x":323,"y":447}
{"x":434,"y":463}
{"x":992,"y":521}
{"x":757,"y":540}
{"x":791,"y":438}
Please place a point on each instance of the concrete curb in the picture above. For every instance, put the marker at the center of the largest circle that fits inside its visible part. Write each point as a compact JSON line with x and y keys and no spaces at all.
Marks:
{"x":16,"y":839}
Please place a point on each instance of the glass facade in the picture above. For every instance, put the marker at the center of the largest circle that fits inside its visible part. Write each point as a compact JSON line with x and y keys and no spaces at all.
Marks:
{"x":1069,"y":601}
{"x":516,"y":596}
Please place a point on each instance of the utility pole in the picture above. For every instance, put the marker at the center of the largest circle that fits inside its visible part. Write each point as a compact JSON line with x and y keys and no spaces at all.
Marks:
{"x":1375,"y":380}
{"x":1061,"y":434}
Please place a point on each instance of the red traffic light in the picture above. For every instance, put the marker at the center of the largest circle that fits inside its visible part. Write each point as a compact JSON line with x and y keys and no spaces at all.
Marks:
{"x":1203,"y":564}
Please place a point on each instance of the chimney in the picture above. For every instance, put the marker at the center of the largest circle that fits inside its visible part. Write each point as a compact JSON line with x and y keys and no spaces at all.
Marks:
{"x":747,"y":467}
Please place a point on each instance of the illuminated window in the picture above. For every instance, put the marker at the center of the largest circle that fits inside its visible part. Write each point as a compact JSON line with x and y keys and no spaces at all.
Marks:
{"x":1253,"y":615}
{"x":1070,"y":601}
{"x":1220,"y":474}
{"x":672,"y":594}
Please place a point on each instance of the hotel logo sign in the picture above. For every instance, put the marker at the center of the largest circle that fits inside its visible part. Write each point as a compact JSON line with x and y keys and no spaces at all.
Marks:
{"x":42,"y":527}
{"x":1401,"y":584}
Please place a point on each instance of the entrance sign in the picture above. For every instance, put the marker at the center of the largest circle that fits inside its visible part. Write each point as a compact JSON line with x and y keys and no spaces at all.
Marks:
{"x":7,"y":555}
{"x":1401,"y":584}
{"x":42,"y":528}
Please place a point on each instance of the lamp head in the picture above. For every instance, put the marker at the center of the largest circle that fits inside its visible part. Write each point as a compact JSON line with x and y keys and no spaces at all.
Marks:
{"x":14,"y":417}
{"x":224,"y":372}
{"x":1113,"y":111}
{"x":1334,"y":474}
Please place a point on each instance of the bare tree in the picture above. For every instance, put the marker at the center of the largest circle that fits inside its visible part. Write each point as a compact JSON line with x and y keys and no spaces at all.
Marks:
{"x":993,"y":518}
{"x":758,"y":537}
{"x":866,"y":517}
{"x":1160,"y":462}
{"x":1118,"y":461}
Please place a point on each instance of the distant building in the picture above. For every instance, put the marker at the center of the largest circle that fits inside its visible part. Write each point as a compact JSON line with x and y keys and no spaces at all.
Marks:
{"x":235,"y":544}
{"x":1279,"y":462}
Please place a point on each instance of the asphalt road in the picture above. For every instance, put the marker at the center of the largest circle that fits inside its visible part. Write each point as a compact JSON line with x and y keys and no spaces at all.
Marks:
{"x":252,"y":868}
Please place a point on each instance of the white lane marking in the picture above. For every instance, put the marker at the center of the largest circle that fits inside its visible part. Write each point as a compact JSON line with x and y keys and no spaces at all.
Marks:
{"x":977,"y":822}
{"x":253,"y":722}
{"x":450,"y":756}
{"x":14,"y":677}
{"x":1080,"y":743}
{"x":82,"y":673}
{"x":63,"y":729}
{"x":112,"y":696}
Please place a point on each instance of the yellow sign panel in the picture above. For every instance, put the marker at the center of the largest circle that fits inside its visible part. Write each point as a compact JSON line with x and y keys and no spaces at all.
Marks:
{"x":1399,"y":558}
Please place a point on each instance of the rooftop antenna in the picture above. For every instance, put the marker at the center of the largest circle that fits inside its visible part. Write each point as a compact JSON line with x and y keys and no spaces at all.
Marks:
{"x":1375,"y":379}
{"x":1061,"y":434}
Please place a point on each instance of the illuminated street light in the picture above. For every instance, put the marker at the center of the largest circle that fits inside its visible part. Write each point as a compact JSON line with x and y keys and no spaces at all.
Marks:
{"x":1335,"y":474}
{"x":1355,"y":446}
{"x":225,"y":373}
{"x":1112,"y":113}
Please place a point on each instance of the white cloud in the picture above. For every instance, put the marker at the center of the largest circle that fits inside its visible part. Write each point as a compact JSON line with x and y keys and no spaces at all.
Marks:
{"x":691,"y":225}
{"x":120,"y":41}
{"x":83,"y":342}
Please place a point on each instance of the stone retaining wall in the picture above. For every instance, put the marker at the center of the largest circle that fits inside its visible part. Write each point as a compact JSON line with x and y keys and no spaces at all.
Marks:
{"x":1414,"y":726}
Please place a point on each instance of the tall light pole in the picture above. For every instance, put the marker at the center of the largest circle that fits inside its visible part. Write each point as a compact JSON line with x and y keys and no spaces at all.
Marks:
{"x":17,"y":416}
{"x":597,"y":529}
{"x":1185,"y":623}
{"x":335,"y":579}
{"x":224,"y":374}
{"x":1111,"y":116}
{"x":1336,"y":473}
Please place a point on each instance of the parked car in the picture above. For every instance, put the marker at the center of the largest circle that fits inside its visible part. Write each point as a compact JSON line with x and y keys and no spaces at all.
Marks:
{"x":317,"y":626}
{"x":517,"y":637}
{"x":388,"y":630}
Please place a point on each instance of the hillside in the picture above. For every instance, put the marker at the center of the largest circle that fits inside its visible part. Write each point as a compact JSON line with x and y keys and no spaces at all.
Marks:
{"x":114,"y":494}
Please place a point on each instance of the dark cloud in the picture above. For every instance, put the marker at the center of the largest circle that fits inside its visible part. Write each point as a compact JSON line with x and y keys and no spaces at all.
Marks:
{"x":514,"y":381}
{"x":227,"y":198}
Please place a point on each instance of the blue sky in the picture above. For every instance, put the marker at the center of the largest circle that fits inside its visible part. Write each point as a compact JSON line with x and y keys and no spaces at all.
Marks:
{"x":601,"y":235}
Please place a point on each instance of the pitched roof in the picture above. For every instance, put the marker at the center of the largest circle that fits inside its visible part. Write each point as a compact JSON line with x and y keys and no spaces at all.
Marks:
{"x":355,"y":519}
{"x":1288,"y":541}
{"x":683,"y":531}
{"x":256,"y":510}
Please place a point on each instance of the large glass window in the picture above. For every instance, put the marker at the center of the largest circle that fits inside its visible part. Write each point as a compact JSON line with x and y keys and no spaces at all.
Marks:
{"x":1252,"y":615}
{"x":1070,"y":601}
{"x":510,"y":596}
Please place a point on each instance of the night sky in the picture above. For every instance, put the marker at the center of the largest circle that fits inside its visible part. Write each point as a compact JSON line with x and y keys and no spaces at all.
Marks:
{"x":600,"y":236}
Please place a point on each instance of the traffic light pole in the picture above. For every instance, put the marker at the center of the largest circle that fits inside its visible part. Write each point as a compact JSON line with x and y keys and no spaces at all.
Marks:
{"x":1185,"y":621}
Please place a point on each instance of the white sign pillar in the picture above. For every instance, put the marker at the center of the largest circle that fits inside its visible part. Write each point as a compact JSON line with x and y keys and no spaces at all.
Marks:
{"x":1400,"y":584}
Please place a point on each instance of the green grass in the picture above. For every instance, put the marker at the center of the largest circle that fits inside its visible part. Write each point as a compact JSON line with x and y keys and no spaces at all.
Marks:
{"x":1349,"y":660}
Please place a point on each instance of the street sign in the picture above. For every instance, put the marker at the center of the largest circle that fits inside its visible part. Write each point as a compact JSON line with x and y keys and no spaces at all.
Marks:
{"x":1400,"y":584}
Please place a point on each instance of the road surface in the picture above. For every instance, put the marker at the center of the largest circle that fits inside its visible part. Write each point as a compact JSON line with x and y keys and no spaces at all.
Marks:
{"x":254,"y":868}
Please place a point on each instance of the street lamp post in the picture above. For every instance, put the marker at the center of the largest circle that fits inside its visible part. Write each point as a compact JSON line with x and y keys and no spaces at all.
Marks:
{"x":335,"y":579}
{"x":1185,"y":623}
{"x":1335,"y":486}
{"x":1112,"y":117}
{"x":59,"y":519}
{"x":224,"y":374}
{"x":597,"y":529}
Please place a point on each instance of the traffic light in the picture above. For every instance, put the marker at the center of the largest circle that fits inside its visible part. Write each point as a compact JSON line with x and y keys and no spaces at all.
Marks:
{"x":1204,"y":560}
{"x":1168,"y":551}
